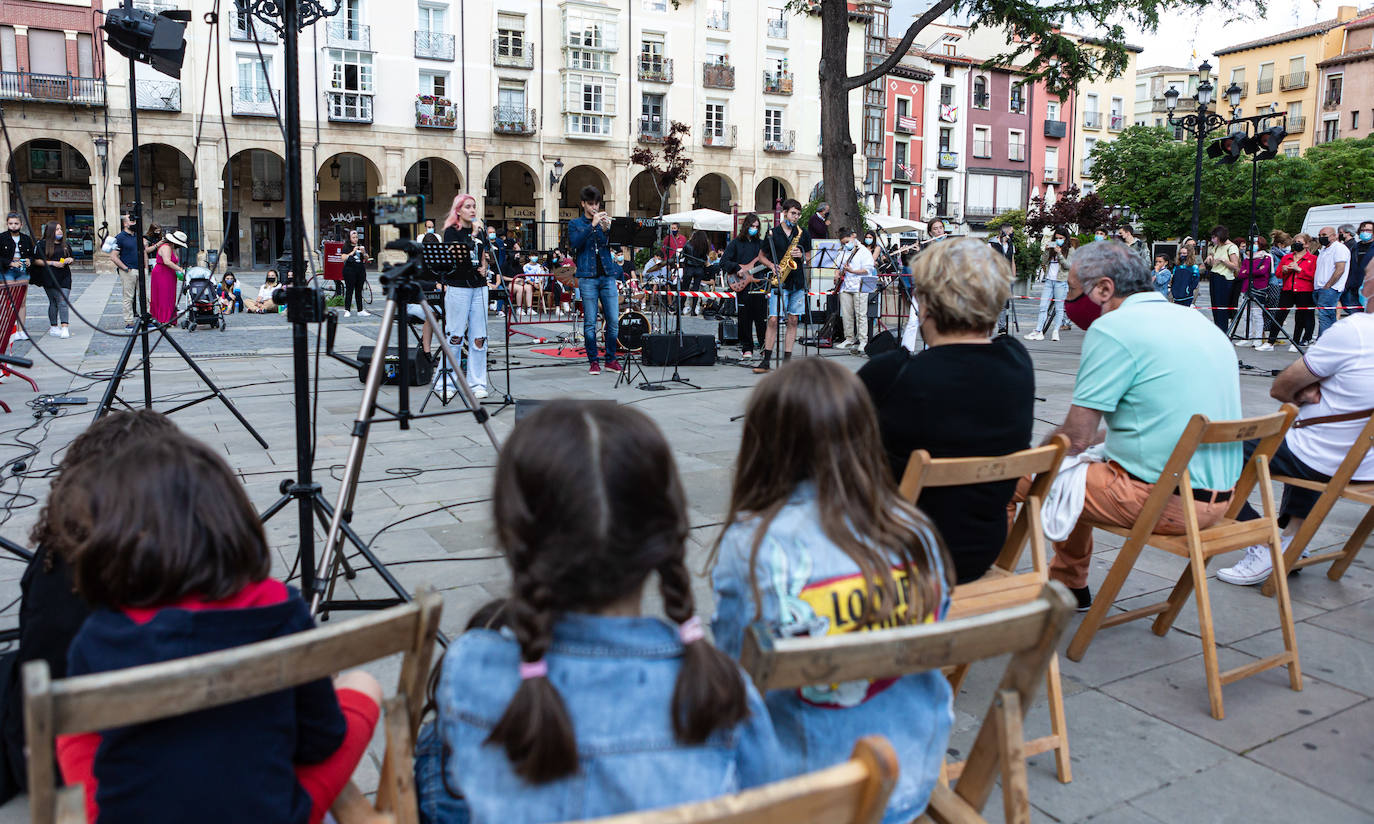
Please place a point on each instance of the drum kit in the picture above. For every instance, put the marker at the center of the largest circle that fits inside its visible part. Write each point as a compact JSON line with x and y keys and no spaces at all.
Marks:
{"x":634,"y":325}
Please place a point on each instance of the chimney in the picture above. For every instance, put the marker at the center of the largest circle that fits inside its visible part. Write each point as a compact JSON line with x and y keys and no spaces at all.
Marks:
{"x":1346,"y":13}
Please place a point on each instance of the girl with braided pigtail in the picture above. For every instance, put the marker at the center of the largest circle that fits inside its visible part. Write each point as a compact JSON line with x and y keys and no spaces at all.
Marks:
{"x":568,"y":702}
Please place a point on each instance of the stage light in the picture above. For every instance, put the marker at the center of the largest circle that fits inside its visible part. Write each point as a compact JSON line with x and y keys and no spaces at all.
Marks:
{"x":155,"y":39}
{"x":1227,"y":149}
{"x":1265,"y":145}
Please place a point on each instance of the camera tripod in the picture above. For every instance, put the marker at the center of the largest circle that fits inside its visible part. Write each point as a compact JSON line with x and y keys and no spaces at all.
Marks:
{"x":402,"y":288}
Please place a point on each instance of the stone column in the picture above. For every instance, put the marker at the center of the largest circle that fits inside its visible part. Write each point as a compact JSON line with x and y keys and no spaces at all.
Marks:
{"x":210,"y":192}
{"x":392,"y":180}
{"x":619,"y":196}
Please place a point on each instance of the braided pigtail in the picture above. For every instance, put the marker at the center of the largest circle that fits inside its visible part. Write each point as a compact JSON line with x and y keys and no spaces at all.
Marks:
{"x":536,"y":730}
{"x":710,"y":693}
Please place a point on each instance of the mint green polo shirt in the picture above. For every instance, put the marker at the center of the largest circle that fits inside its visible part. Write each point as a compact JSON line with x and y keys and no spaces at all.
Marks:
{"x":1148,"y":367}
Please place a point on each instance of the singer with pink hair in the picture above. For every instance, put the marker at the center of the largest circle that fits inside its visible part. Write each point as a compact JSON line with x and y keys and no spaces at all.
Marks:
{"x":465,"y":293}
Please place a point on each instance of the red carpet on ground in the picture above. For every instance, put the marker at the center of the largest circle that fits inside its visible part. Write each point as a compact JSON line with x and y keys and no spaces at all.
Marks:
{"x":565,"y":352}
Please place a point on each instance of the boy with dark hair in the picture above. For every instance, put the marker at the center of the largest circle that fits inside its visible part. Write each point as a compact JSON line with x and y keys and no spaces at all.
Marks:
{"x":789,"y":296}
{"x":597,"y":273}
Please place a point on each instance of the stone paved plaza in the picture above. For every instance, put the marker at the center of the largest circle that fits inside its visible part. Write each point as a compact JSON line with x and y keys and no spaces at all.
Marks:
{"x":1144,"y":747}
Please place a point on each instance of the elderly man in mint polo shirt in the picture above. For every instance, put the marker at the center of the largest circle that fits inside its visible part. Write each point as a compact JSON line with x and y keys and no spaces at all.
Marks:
{"x":1147,"y":367}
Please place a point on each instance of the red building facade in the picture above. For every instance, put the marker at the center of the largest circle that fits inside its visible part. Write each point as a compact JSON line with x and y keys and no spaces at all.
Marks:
{"x":904,"y":142}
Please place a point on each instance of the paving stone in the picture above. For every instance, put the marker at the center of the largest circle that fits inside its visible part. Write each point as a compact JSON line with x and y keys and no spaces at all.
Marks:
{"x":1238,"y":791}
{"x":1237,"y":612}
{"x":1331,"y":656}
{"x":1308,"y":754}
{"x":1356,"y":620}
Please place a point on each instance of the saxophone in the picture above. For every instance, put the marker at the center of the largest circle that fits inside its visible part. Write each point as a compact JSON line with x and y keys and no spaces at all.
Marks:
{"x":788,"y":263}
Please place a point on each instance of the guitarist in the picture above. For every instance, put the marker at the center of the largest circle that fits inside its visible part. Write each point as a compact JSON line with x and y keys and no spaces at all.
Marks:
{"x":743,"y":255}
{"x":787,"y":238}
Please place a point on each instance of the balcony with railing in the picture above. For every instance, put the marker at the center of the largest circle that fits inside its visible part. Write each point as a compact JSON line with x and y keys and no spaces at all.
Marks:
{"x":1182,"y":106}
{"x":1296,"y":80}
{"x":267,"y":190}
{"x":434,"y":45}
{"x":1244,"y":89}
{"x":1085,"y":170}
{"x":651,"y":130}
{"x":254,"y":101}
{"x":982,"y":148}
{"x":777,"y":82}
{"x":1056,"y":128}
{"x":981,"y":101}
{"x":1332,"y":100}
{"x":343,"y":34}
{"x":656,"y":69}
{"x":239,"y":23}
{"x":1294,"y":125}
{"x":349,"y":107}
{"x":946,"y":208}
{"x":979,"y":212}
{"x":946,"y":159}
{"x":719,"y":20}
{"x":433,"y":112}
{"x":52,"y":88}
{"x":1116,"y":123}
{"x":1016,"y":152}
{"x":906,"y":124}
{"x":1018,"y":105}
{"x":779,"y":140}
{"x":777,"y":28}
{"x":1092,"y":120}
{"x":719,"y":136}
{"x":1264,"y":85}
{"x":900,"y":173}
{"x":718,"y":75}
{"x":1330,"y":131}
{"x":1054,"y":174}
{"x":158,"y":95}
{"x":512,"y":55}
{"x":515,"y":120}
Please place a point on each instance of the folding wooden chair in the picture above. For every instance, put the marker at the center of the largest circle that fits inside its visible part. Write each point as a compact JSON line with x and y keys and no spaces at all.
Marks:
{"x":1200,"y":545}
{"x":1002,"y":587}
{"x":185,"y":685}
{"x":854,"y":792}
{"x":1028,"y":632}
{"x":1341,"y":485}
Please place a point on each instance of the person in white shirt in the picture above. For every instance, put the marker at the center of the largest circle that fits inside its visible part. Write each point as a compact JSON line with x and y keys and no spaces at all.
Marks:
{"x":1334,"y":377}
{"x":1329,"y":281}
{"x":263,"y":302}
{"x":855,"y":263}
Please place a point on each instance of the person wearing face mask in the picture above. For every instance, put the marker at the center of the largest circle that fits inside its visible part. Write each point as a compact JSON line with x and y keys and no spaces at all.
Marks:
{"x":1099,"y":236}
{"x":52,"y":267}
{"x":1127,"y":236}
{"x":1054,"y":265}
{"x":1183,"y":284}
{"x":674,"y":242}
{"x":1361,"y":256}
{"x":16,"y":253}
{"x":742,"y":254}
{"x":263,"y":302}
{"x":1145,"y":386}
{"x":1333,"y":265}
{"x":855,"y":263}
{"x":790,"y":297}
{"x":231,"y":295}
{"x":1295,"y":272}
{"x":1253,"y":278}
{"x":1221,"y":265}
{"x":354,"y":273}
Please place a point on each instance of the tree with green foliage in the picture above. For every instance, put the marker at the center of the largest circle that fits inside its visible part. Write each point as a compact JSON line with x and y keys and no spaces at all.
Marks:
{"x":1036,"y":44}
{"x":1027,"y":250}
{"x":1143,"y":171}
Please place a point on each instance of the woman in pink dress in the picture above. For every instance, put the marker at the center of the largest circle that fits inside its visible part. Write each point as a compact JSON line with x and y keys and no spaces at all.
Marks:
{"x":162,"y":283}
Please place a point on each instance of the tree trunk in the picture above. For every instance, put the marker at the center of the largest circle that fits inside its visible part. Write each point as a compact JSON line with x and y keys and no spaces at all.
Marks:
{"x":837,"y":153}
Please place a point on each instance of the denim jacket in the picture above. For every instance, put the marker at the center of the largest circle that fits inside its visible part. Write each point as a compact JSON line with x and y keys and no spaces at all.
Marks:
{"x":808,"y":587}
{"x":587,"y":243}
{"x":616,"y":676}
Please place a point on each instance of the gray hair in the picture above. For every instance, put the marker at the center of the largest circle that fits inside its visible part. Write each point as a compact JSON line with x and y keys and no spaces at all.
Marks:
{"x":823,"y":206}
{"x":1114,"y":260}
{"x":1347,"y":228}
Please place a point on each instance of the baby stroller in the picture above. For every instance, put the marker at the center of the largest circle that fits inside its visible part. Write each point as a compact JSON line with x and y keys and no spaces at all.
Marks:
{"x":205,"y":306}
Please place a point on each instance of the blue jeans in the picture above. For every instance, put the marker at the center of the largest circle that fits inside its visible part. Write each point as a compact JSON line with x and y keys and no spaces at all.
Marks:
{"x":465,"y":316}
{"x":1325,"y":300}
{"x":602,"y":292}
{"x":792,"y":301}
{"x":438,"y":804}
{"x":1052,"y":294}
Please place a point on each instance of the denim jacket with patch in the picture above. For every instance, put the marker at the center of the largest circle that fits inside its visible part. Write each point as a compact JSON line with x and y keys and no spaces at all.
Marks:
{"x":809,"y":587}
{"x":616,"y":676}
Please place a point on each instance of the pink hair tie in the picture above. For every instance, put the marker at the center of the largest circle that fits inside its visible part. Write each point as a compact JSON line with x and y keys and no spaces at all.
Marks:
{"x":534,"y":669}
{"x":690,"y":631}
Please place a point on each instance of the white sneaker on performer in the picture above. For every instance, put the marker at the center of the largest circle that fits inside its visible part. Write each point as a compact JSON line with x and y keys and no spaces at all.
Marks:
{"x":1254,"y":567}
{"x":1053,"y":335}
{"x":1242,"y":342}
{"x":1036,"y":335}
{"x":348,"y":314}
{"x":491,"y":307}
{"x":66,"y":332}
{"x":845,"y":344}
{"x":479,"y":393}
{"x":20,"y":335}
{"x":1264,"y":347}
{"x":55,"y":331}
{"x":363,"y":313}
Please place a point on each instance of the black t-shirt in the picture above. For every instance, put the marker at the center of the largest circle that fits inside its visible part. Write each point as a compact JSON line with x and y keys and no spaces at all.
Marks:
{"x":775,"y":249}
{"x":467,"y":275}
{"x":958,"y":401}
{"x":353,"y":262}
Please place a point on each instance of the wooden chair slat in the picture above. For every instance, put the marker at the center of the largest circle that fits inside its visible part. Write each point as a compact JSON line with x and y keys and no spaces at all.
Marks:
{"x":1243,"y":429}
{"x":968,"y":471}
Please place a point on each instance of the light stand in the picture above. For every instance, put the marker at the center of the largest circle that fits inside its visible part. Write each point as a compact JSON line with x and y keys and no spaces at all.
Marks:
{"x":156,"y":40}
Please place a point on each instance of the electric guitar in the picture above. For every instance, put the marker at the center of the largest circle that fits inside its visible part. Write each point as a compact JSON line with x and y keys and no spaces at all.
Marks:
{"x":751,"y":273}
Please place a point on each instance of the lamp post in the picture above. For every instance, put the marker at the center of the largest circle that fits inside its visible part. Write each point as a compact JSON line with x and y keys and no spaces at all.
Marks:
{"x":1199,"y":125}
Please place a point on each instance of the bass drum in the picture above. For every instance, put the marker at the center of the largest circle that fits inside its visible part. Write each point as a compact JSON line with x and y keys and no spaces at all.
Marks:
{"x":634,"y":330}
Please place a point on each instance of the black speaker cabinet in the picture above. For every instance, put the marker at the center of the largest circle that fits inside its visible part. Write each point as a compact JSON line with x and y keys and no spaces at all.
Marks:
{"x":419,"y":369}
{"x":880,"y":343}
{"x":697,"y":350}
{"x":727,"y":334}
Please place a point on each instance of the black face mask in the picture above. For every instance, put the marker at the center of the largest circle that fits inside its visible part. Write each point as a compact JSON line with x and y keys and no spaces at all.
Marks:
{"x":1325,"y":241}
{"x":1297,"y":247}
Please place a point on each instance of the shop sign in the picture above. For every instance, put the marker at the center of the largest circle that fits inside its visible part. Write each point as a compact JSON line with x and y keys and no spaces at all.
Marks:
{"x":65,"y":194}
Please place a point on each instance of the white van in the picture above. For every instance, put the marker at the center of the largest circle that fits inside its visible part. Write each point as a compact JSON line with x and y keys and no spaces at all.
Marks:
{"x":1335,"y":215}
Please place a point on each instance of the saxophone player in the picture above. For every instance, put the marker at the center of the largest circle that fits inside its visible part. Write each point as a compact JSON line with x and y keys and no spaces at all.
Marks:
{"x":789,"y":241}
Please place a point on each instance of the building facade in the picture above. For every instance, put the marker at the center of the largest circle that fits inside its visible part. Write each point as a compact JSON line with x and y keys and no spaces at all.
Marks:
{"x":903,"y":191}
{"x":1151,"y":83}
{"x":1346,"y":85}
{"x":1101,"y":114}
{"x":998,"y":177}
{"x":521,"y":103}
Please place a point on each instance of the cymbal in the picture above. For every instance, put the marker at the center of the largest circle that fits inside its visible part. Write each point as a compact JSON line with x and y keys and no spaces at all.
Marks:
{"x":565,"y":271}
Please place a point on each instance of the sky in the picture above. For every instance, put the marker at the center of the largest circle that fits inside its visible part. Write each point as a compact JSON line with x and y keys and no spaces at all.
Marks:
{"x":1183,"y":34}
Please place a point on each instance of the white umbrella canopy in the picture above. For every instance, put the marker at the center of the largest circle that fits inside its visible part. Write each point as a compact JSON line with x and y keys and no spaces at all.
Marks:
{"x":708,"y":219}
{"x":894,"y":224}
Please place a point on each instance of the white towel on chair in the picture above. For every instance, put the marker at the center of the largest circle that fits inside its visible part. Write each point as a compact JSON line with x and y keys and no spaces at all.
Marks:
{"x":1064,"y":503}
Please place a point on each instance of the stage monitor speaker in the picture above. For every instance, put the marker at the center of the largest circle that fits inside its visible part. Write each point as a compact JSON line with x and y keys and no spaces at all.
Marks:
{"x":881,"y":343}
{"x":727,"y":333}
{"x":662,"y":350}
{"x":419,"y":369}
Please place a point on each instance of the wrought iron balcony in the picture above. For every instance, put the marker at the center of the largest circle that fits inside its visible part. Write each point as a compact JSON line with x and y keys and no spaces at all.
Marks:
{"x":435,"y":112}
{"x":267,"y":190}
{"x":1296,"y":125}
{"x":434,"y":45}
{"x":947,"y":208}
{"x":651,"y":130}
{"x":1016,"y":152}
{"x":718,"y":75}
{"x":52,"y":88}
{"x":349,"y":107}
{"x":512,"y":120}
{"x":1054,"y":174}
{"x":946,"y":159}
{"x":1296,"y":80}
{"x":982,"y":148}
{"x":982,"y":211}
{"x":1086,"y":170}
{"x":158,"y":95}
{"x":1244,"y":89}
{"x":1116,"y":123}
{"x":254,"y":101}
{"x":777,"y":28}
{"x":1056,"y":128}
{"x":719,"y":136}
{"x":906,"y":124}
{"x":1017,"y":105}
{"x":777,"y":82}
{"x":779,"y":140}
{"x":341,"y":34}
{"x":899,"y":173}
{"x":1332,"y":99}
{"x":980,"y":101}
{"x":512,"y":55}
{"x":239,"y":29}
{"x":1092,"y":120}
{"x":1264,"y":85}
{"x":718,"y":20}
{"x":656,"y":69}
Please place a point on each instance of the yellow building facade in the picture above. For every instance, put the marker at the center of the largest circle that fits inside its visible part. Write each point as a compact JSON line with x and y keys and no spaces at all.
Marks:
{"x":1103,"y":108}
{"x":1281,"y":70}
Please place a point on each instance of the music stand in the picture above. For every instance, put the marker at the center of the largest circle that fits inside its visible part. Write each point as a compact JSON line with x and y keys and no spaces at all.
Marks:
{"x":438,"y":261}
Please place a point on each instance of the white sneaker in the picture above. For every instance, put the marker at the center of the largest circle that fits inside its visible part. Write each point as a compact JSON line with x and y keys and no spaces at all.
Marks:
{"x":55,"y":331}
{"x":845,"y":344}
{"x":1036,"y":335}
{"x":20,"y":335}
{"x":1242,"y":342}
{"x":1264,"y":347}
{"x":491,"y":307}
{"x":1255,"y":566}
{"x":1292,"y":348}
{"x":479,"y":393}
{"x":363,"y":313}
{"x":66,"y":332}
{"x":348,"y":314}
{"x":500,"y":314}
{"x":1054,"y":335}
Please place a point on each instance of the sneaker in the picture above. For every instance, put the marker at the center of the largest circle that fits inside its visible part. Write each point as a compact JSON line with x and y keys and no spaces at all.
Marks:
{"x":1054,"y":335}
{"x":20,"y":335}
{"x":614,"y":366}
{"x":1084,"y":597}
{"x":595,"y":370}
{"x":1264,"y":347}
{"x":491,"y":307}
{"x":363,"y":313}
{"x":1036,"y":335}
{"x":479,"y":393}
{"x":500,"y":314}
{"x":1292,"y":348}
{"x":746,"y":357}
{"x":66,"y":332}
{"x":348,"y":314}
{"x":1255,"y":566}
{"x":1242,"y":342}
{"x":55,"y":331}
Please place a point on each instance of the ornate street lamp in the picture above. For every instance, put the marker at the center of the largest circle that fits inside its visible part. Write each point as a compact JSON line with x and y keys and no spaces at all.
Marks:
{"x":1199,"y":125}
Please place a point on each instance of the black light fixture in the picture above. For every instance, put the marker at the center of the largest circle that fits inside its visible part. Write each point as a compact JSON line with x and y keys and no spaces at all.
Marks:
{"x":1233,"y":94}
{"x":556,"y":173}
{"x":334,"y":168}
{"x":1228,"y":149}
{"x":156,"y":39}
{"x":102,"y":153}
{"x":1265,"y":144}
{"x":1171,"y":99}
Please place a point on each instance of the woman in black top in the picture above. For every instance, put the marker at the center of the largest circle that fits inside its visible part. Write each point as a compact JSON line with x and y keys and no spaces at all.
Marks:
{"x":694,"y":267}
{"x":465,"y":290}
{"x":52,"y":262}
{"x":752,"y":305}
{"x":355,"y":273}
{"x":968,"y":394}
